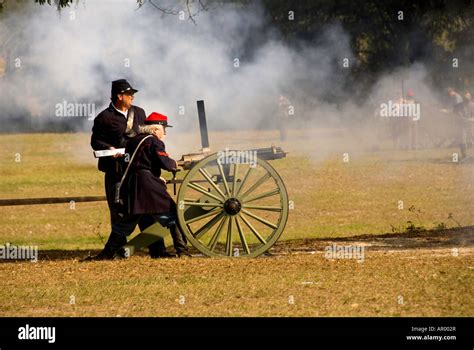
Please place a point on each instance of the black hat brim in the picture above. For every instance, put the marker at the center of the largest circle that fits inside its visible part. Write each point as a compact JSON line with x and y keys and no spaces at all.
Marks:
{"x":132,"y":90}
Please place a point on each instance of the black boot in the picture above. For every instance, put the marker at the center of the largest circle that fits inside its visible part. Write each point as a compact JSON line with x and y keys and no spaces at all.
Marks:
{"x":179,"y":241}
{"x":113,"y":249}
{"x":158,"y":250}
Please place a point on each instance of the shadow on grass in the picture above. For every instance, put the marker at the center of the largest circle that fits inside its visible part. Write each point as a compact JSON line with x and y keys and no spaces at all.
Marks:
{"x":427,"y":239}
{"x":63,"y":254}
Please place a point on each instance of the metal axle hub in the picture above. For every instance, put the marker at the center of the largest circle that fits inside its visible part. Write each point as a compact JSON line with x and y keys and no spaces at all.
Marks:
{"x":232,"y":206}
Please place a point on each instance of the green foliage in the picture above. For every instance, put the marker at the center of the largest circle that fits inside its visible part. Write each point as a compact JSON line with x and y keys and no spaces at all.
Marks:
{"x":385,"y":35}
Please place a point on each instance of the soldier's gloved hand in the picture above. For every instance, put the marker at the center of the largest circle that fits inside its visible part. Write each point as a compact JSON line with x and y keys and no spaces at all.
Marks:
{"x":162,"y":179}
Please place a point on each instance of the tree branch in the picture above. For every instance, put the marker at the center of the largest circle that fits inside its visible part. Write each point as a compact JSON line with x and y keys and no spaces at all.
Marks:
{"x":165,"y":11}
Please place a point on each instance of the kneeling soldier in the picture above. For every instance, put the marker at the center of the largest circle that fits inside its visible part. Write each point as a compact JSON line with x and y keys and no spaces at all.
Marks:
{"x":144,"y":189}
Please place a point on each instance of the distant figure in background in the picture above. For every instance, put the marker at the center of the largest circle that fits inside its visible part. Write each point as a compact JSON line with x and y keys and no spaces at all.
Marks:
{"x":283,"y":106}
{"x":412,"y":129}
{"x":457,"y":102}
{"x":397,"y":127}
{"x":467,"y":101}
{"x":458,"y":107}
{"x":468,"y":113}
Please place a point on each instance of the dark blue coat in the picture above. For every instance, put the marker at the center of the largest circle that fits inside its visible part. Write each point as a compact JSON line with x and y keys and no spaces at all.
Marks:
{"x":143,"y":189}
{"x":109,"y":131}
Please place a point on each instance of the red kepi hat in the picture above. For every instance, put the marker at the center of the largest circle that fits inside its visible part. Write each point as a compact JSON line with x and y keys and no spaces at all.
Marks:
{"x":157,"y":118}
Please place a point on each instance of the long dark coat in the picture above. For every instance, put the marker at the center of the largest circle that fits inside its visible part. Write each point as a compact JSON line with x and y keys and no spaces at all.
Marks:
{"x":109,"y":131}
{"x":143,"y":189}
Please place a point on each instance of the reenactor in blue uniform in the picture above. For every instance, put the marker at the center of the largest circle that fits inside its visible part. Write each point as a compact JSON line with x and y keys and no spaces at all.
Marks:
{"x":112,"y":129}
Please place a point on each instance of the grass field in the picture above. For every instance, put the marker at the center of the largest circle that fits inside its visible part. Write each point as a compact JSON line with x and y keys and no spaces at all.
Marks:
{"x":334,"y":201}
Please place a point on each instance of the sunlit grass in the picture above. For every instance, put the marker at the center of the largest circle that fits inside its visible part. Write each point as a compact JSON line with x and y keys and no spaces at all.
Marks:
{"x":330,"y":198}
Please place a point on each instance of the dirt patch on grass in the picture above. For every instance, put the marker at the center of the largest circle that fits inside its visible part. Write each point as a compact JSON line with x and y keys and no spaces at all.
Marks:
{"x":428,"y":240}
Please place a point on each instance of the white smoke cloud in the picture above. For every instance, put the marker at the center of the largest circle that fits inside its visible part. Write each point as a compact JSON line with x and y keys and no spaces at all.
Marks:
{"x":73,"y":56}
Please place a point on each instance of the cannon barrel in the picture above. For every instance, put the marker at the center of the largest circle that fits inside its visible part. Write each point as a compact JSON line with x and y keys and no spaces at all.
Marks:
{"x":187,"y":161}
{"x":203,"y":125}
{"x":270,"y":153}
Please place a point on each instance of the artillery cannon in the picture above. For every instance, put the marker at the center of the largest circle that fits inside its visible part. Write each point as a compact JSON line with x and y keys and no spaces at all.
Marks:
{"x":228,"y":196}
{"x":230,"y":203}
